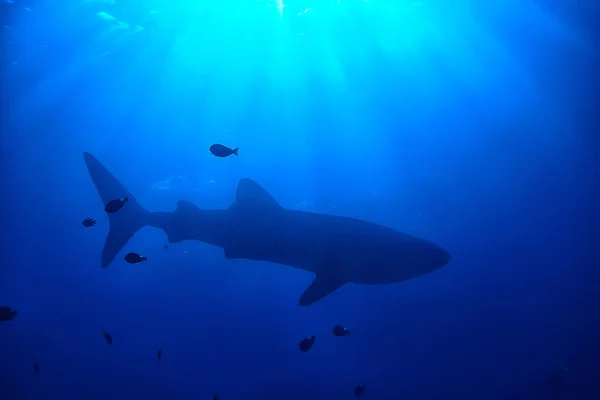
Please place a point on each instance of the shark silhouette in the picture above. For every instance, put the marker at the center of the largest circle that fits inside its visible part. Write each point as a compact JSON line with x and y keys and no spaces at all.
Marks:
{"x":338,"y":250}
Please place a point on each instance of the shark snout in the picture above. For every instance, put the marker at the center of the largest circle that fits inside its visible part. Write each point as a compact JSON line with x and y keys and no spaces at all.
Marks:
{"x":437,"y":256}
{"x":446,"y":257}
{"x":442,"y":257}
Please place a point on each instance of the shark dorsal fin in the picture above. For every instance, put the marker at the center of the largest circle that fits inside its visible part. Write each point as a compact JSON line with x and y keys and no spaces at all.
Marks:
{"x":184,"y":205}
{"x":251,"y":195}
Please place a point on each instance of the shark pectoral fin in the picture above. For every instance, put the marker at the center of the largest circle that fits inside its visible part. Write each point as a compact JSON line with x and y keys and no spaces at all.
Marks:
{"x":323,"y":285}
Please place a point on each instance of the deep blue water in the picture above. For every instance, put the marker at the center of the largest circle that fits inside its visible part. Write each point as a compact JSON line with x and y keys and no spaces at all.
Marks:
{"x":472,"y":124}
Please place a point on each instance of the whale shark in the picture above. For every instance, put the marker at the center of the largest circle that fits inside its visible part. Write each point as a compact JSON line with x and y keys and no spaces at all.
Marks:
{"x":336,"y":249}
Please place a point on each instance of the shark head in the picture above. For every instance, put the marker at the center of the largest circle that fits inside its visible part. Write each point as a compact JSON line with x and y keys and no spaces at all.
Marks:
{"x":420,"y":258}
{"x":433,"y":258}
{"x":387,"y":256}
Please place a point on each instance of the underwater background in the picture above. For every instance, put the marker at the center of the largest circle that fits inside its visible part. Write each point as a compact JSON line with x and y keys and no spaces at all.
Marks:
{"x":470,"y":123}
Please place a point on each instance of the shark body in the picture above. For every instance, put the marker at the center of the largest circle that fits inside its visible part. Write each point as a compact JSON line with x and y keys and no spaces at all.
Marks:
{"x":338,"y":250}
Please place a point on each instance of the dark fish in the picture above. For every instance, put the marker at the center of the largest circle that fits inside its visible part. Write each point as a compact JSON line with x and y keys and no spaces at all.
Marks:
{"x":36,"y":369}
{"x":216,"y":396}
{"x":306,"y":344}
{"x":107,"y":337}
{"x":134,"y":258}
{"x":339,"y":330}
{"x":159,"y":356}
{"x":223,"y":151}
{"x":7,"y":313}
{"x":558,"y":374}
{"x":359,"y":390}
{"x":115,"y":205}
{"x":556,"y":378}
{"x":166,"y":247}
{"x":89,"y":222}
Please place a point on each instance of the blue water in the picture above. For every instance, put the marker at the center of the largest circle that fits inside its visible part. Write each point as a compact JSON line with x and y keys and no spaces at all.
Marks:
{"x":469,"y":123}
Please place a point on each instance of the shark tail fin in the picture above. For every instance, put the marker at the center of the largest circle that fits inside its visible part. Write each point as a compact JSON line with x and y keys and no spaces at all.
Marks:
{"x":235,"y":151}
{"x":125,"y":222}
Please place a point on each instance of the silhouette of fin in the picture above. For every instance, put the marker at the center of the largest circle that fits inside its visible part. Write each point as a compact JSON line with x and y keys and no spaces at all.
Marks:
{"x":323,"y":285}
{"x":250,"y":195}
{"x":184,"y":212}
{"x":125,"y":222}
{"x":184,"y":206}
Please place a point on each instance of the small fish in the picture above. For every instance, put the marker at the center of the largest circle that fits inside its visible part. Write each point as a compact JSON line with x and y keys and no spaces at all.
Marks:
{"x":223,"y":151}
{"x":216,"y":396}
{"x":107,"y":337}
{"x":88,"y":222}
{"x":115,"y":205}
{"x":562,"y":367}
{"x":306,"y":344}
{"x":339,"y":330}
{"x":359,"y":390}
{"x":166,"y":247}
{"x":557,"y":376}
{"x":36,"y":369}
{"x":7,"y":313}
{"x":160,"y":350}
{"x":134,"y":258}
